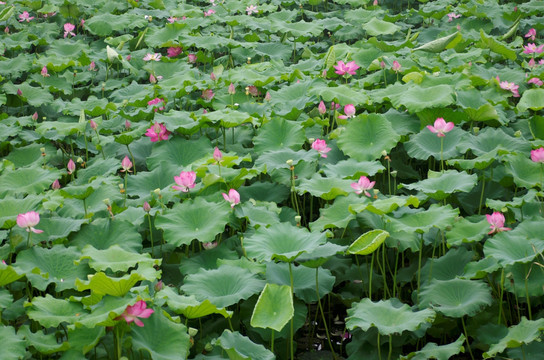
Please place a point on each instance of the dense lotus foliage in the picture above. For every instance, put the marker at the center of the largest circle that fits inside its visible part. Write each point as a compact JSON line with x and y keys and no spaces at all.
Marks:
{"x":225,"y":179}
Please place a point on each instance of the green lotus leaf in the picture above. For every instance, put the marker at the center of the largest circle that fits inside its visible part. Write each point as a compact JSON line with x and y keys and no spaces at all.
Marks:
{"x":207,"y":260}
{"x":105,"y":311}
{"x":11,"y":207}
{"x":189,"y":306}
{"x":172,"y":344}
{"x":31,"y":180}
{"x":368,"y":242}
{"x":366,"y":136}
{"x":279,"y":134}
{"x":274,"y":308}
{"x":321,"y":255}
{"x":282,"y":241}
{"x":518,"y":335}
{"x":352,"y":169}
{"x":27,"y":155}
{"x":97,"y":167}
{"x":259,"y":213}
{"x":498,"y":47}
{"x":481,"y":269}
{"x":480,"y":163}
{"x":57,"y":228}
{"x":103,"y":284}
{"x":531,"y":99}
{"x":524,"y":279}
{"x":490,"y":139}
{"x":456,"y":297}
{"x":509,"y":248}
{"x":290,"y":100}
{"x":385,"y":205}
{"x":82,"y":339}
{"x":439,"y":185}
{"x":44,"y":343}
{"x":304,"y":280}
{"x":179,"y":152}
{"x":115,"y":258}
{"x":439,"y":352}
{"x":324,"y":187}
{"x":277,"y":159}
{"x":92,"y":106}
{"x":421,"y":221}
{"x":425,"y":144}
{"x":376,"y":27}
{"x":446,"y":267}
{"x":165,"y":35}
{"x":389,"y":316}
{"x":104,"y":233}
{"x":467,"y":231}
{"x":418,"y":98}
{"x":35,"y":96}
{"x":439,"y":45}
{"x":9,"y":274}
{"x":526,"y":173}
{"x":143,"y":183}
{"x":51,"y":312}
{"x":240,"y":347}
{"x":44,"y":266}
{"x":341,"y":94}
{"x":6,"y":299}
{"x":224,"y":286}
{"x":61,"y":128}
{"x":338,"y":214}
{"x":14,"y":344}
{"x":195,"y":219}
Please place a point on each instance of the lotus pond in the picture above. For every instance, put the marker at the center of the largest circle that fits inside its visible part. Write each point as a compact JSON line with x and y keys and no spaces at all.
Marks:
{"x":259,"y":179}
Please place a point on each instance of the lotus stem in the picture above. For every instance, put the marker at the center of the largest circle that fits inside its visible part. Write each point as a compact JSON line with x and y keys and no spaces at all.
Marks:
{"x":419,"y":267}
{"x":390,"y":347}
{"x":379,"y":347}
{"x":322,"y":312}
{"x":442,"y":154}
{"x":527,"y":294}
{"x":291,"y":343}
{"x":151,"y":235}
{"x":272,"y":340}
{"x":466,"y":337}
{"x":27,"y":241}
{"x":482,"y":193}
{"x":370,"y":277}
{"x":132,"y":157}
{"x":125,"y":192}
{"x":385,"y":287}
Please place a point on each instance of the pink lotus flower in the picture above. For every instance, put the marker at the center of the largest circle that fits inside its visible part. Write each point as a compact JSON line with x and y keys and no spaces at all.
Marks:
{"x":531,"y":63}
{"x":156,"y":101}
{"x":209,"y":12}
{"x":531,"y":34}
{"x":321,"y":147}
{"x":209,"y":245}
{"x":172,"y":19}
{"x":191,"y":58}
{"x":129,"y":57}
{"x":146,"y":207}
{"x":127,"y":124}
{"x":55,"y":185}
{"x":396,"y":66}
{"x":349,"y":110}
{"x":334,"y":106}
{"x":92,"y":66}
{"x":267,"y":96}
{"x":349,"y":68}
{"x":93,"y":124}
{"x":510,"y":86}
{"x":538,"y":155}
{"x":375,"y":3}
{"x":441,"y":127}
{"x":251,"y":9}
{"x":322,"y":108}
{"x":496,"y":220}
{"x":82,"y":23}
{"x":44,"y":72}
{"x":452,"y":16}
{"x":217,"y":155}
{"x":152,"y":80}
{"x":253,"y":90}
{"x":29,"y":220}
{"x":69,"y":29}
{"x":363,"y":185}
{"x":25,"y":16}
{"x":152,"y":57}
{"x":531,"y":48}
{"x":126,"y":164}
{"x":207,"y":94}
{"x":233,"y":197}
{"x":157,"y":132}
{"x":173,"y":51}
{"x":136,"y":311}
{"x":19,"y":92}
{"x":535,"y":81}
{"x":71,"y":166}
{"x":35,"y":116}
{"x":185,"y":180}
{"x":231,"y":90}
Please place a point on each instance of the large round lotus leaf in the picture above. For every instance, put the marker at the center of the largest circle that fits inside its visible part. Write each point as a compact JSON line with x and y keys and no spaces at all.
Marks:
{"x":162,"y":338}
{"x":51,"y":312}
{"x":277,"y":159}
{"x":9,"y":274}
{"x":480,"y":269}
{"x":491,"y":139}
{"x":526,"y":173}
{"x":226,"y":118}
{"x":179,"y":152}
{"x":206,"y":260}
{"x":6,"y":299}
{"x":456,"y":297}
{"x":439,"y":352}
{"x":384,"y":205}
{"x":103,"y":284}
{"x":303,"y":280}
{"x":480,"y":163}
{"x":189,"y":306}
{"x":103,"y":233}
{"x":14,"y":346}
{"x":368,"y":242}
{"x":240,"y":347}
{"x":274,"y":307}
{"x":341,"y":94}
{"x":196,"y":219}
{"x":426,"y":144}
{"x":352,"y":169}
{"x":466,"y":231}
{"x":289,"y":101}
{"x":367,"y":136}
{"x":104,"y":311}
{"x":31,"y":180}
{"x":520,"y":273}
{"x":324,"y":187}
{"x":35,"y":96}
{"x":421,"y":221}
{"x":376,"y":27}
{"x":143,"y":183}
{"x":282,"y":241}
{"x":417,"y":98}
{"x":44,"y":266}
{"x":523,"y":333}
{"x":509,"y":249}
{"x":97,"y":167}
{"x":389,"y":316}
{"x":446,"y":267}
{"x":321,"y":255}
{"x":258,"y":214}
{"x":439,"y":185}
{"x":224,"y":286}
{"x":337,"y":214}
{"x":115,"y":258}
{"x":11,"y":207}
{"x":279,"y":134}
{"x":44,"y":343}
{"x":531,"y":99}
{"x":57,"y":228}
{"x":27,"y":155}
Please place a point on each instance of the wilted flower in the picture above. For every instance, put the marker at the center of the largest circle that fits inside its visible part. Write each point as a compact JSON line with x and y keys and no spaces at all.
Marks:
{"x":71,"y":166}
{"x":231,"y":89}
{"x":207,"y":94}
{"x":126,"y":164}
{"x":157,"y":132}
{"x":253,"y":90}
{"x":538,"y":155}
{"x":209,"y":245}
{"x":25,"y":16}
{"x":173,"y":51}
{"x":69,"y":29}
{"x":233,"y":197}
{"x":363,"y":185}
{"x":321,"y":147}
{"x":55,"y":185}
{"x":156,"y":101}
{"x":452,"y":16}
{"x":209,"y":12}
{"x":396,"y":66}
{"x":322,"y":108}
{"x":251,"y":9}
{"x":531,"y":34}
{"x":29,"y":220}
{"x":496,"y":220}
{"x":531,"y":48}
{"x":441,"y":127}
{"x":133,"y":312}
{"x":152,"y":57}
{"x":191,"y":58}
{"x":185,"y":180}
{"x":535,"y":81}
{"x":349,"y":68}
{"x":44,"y":72}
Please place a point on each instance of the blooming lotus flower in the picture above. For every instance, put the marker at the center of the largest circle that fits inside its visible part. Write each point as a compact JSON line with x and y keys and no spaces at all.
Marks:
{"x":396,"y":66}
{"x":531,"y":48}
{"x":25,"y":16}
{"x":173,"y":51}
{"x":531,"y":34}
{"x":209,"y":12}
{"x":71,"y":166}
{"x":217,"y":155}
{"x":191,"y":58}
{"x":321,"y":147}
{"x":209,"y":245}
{"x":29,"y":220}
{"x":452,"y":16}
{"x":535,"y":81}
{"x":375,"y":3}
{"x":44,"y":72}
{"x":363,"y":185}
{"x":531,"y":63}
{"x":538,"y":155}
{"x":349,"y":110}
{"x":156,"y":101}
{"x":153,"y":57}
{"x":69,"y":29}
{"x":157,"y":132}
{"x":349,"y":68}
{"x":496,"y":221}
{"x":322,"y":108}
{"x":207,"y":94}
{"x":55,"y":185}
{"x":172,"y":19}
{"x":185,"y":180}
{"x":233,"y":197}
{"x":251,"y":9}
{"x":126,"y":164}
{"x":136,"y":311}
{"x":441,"y":127}
{"x":510,"y":86}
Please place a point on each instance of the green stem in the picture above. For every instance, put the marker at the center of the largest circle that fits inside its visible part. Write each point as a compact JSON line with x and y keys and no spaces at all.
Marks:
{"x":292,"y":319}
{"x":390,"y":347}
{"x":442,"y":154}
{"x":85,"y":207}
{"x":322,"y":312}
{"x":272,"y":341}
{"x":125,"y":199}
{"x":379,"y":347}
{"x":501,"y":296}
{"x":132,"y":157}
{"x":28,"y":239}
{"x":527,"y":294}
{"x":482,"y":193}
{"x":419,"y":267}
{"x":151,"y":235}
{"x":466,"y":337}
{"x":370,"y":277}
